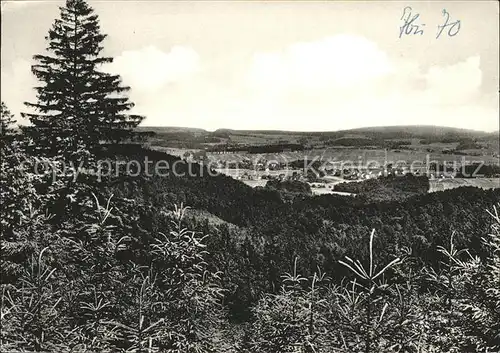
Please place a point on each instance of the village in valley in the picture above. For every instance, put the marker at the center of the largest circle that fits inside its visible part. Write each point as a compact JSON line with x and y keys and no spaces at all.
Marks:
{"x":449,"y":158}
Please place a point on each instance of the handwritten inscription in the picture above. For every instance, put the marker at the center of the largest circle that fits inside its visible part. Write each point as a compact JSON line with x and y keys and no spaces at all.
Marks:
{"x":412,"y":25}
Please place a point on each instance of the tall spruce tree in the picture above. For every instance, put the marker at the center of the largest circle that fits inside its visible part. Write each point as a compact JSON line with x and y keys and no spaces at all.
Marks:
{"x":78,"y":105}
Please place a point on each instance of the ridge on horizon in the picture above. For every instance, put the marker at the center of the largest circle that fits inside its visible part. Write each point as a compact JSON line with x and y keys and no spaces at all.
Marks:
{"x":414,"y":128}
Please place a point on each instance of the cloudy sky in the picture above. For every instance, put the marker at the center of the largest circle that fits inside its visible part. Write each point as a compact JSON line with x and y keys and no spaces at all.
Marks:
{"x":281,"y":65}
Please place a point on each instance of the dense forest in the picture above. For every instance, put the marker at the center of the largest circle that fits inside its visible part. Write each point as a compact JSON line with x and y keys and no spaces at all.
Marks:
{"x":392,"y":187}
{"x":94,"y":248}
{"x":102,"y":253}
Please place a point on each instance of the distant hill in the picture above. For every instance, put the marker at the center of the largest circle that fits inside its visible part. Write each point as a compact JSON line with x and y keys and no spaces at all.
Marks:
{"x":419,"y":131}
{"x":168,"y":129}
{"x":414,"y":130}
{"x":381,"y":136}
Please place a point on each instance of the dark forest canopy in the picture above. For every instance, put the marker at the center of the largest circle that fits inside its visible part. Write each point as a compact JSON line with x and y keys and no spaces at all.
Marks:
{"x":258,"y":235}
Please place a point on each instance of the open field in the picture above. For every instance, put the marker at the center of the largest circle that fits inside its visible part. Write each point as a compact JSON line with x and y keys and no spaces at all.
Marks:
{"x":428,"y":139}
{"x":255,"y":183}
{"x":328,"y":191}
{"x":253,"y":174}
{"x":354,"y":155}
{"x":445,"y":184}
{"x":174,"y":151}
{"x":411,"y":145}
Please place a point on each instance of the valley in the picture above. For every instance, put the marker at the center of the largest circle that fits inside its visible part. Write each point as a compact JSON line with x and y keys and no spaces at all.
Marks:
{"x":253,"y":157}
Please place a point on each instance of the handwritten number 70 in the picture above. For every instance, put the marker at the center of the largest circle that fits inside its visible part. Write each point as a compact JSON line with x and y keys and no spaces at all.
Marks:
{"x":450,"y":25}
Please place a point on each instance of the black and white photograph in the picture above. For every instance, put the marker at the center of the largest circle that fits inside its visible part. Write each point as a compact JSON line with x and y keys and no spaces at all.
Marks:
{"x":250,"y":176}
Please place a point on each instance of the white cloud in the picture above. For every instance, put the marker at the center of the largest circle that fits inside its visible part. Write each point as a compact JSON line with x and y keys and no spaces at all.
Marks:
{"x":150,"y":68}
{"x":274,"y":76}
{"x":342,"y":61}
{"x":454,"y":84}
{"x":336,"y":83}
{"x":347,"y":81}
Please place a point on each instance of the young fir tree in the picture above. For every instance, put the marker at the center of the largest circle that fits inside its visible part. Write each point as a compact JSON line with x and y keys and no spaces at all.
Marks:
{"x":6,"y":122}
{"x":78,"y":105}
